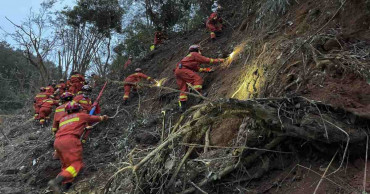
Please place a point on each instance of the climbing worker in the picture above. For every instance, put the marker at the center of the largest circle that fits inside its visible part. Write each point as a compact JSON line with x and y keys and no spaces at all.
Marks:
{"x":68,"y":145}
{"x":49,"y":89}
{"x":38,"y":101}
{"x":158,"y":39}
{"x":61,"y":87}
{"x":214,"y":25}
{"x":84,"y":100}
{"x":60,"y":112}
{"x":46,"y":108}
{"x":68,"y":85}
{"x":77,"y":81}
{"x":133,"y":79}
{"x":94,"y":79}
{"x":185,"y":72}
{"x":128,"y":62}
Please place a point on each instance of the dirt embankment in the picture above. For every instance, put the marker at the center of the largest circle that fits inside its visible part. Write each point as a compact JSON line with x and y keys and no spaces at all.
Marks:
{"x":315,"y":49}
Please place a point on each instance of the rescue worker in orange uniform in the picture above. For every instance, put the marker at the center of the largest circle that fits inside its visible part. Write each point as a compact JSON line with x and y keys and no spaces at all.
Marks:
{"x":60,"y":112}
{"x":68,"y":145}
{"x":158,"y":38}
{"x":134,"y":78}
{"x":186,"y":69}
{"x":49,"y":89}
{"x":68,"y":85}
{"x":94,"y":80}
{"x":38,"y":101}
{"x":128,"y":62}
{"x":46,"y":108}
{"x":214,"y":24}
{"x":61,"y":88}
{"x":77,"y":81}
{"x":84,"y":100}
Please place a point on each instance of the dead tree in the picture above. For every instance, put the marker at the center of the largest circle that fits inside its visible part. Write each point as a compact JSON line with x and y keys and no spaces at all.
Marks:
{"x":32,"y":37}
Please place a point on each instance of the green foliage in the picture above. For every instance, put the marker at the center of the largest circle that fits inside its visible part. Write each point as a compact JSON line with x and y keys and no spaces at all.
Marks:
{"x":17,"y":79}
{"x":105,"y":15}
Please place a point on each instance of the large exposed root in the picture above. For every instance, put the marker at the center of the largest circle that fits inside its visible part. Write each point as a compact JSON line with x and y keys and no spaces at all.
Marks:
{"x":179,"y":165}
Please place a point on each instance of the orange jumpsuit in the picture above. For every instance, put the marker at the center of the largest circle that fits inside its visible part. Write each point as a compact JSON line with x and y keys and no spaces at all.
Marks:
{"x":38,"y":101}
{"x":62,"y":88}
{"x":68,"y":145}
{"x":45,"y":109}
{"x":60,"y":112}
{"x":49,"y":90}
{"x":86,"y":103}
{"x":185,"y":72}
{"x":77,"y":81}
{"x":128,"y":62}
{"x":68,"y":85}
{"x":158,"y":38}
{"x":133,"y":78}
{"x":214,"y":25}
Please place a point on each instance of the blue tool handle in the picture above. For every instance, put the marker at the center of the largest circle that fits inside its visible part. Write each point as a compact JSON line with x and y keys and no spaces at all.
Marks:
{"x":92,"y":111}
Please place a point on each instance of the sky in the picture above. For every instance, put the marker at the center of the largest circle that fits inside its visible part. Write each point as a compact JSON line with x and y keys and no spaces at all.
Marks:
{"x":18,"y":10}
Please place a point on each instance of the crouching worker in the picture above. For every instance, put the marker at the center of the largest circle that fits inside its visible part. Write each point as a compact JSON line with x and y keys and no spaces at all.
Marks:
{"x":38,"y":101}
{"x":133,"y":79}
{"x":46,"y":108}
{"x":185,"y":72}
{"x":68,"y":145}
{"x":60,"y":111}
{"x":214,"y":25}
{"x":84,"y":100}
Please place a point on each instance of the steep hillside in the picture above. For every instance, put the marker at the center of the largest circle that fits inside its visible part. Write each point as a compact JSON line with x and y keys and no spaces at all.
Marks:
{"x":288,"y":113}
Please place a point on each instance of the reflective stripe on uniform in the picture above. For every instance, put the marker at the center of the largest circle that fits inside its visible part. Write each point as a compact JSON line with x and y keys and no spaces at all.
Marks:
{"x":69,"y":121}
{"x":72,"y":171}
{"x":183,"y":97}
{"x":53,"y":129}
{"x":125,"y":96}
{"x":148,"y":78}
{"x":211,"y":61}
{"x":189,"y":55}
{"x":60,"y":110}
{"x":83,"y":102}
{"x":212,"y":33}
{"x":40,"y":96}
{"x":201,"y":69}
{"x":74,"y":76}
{"x":198,"y":87}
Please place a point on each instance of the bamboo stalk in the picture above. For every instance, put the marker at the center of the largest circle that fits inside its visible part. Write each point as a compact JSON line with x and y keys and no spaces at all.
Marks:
{"x":206,"y":140}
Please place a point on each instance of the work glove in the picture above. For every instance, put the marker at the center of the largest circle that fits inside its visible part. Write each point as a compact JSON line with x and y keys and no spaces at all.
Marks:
{"x":54,"y":131}
{"x":88,"y":127}
{"x":221,"y":60}
{"x":105,"y":117}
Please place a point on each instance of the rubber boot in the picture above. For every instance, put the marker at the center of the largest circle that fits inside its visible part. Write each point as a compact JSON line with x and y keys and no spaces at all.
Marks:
{"x":66,"y":187}
{"x":182,"y":106}
{"x":54,"y":184}
{"x":125,"y":102}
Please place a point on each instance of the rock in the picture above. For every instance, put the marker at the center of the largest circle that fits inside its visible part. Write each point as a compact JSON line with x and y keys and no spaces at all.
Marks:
{"x":146,"y":138}
{"x":331,"y":44}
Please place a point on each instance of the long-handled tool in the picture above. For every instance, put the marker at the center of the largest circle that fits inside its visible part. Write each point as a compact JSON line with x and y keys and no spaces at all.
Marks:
{"x":93,"y":125}
{"x":92,"y":111}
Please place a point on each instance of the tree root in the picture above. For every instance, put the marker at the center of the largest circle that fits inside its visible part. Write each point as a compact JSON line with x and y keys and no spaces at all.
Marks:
{"x":298,"y":118}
